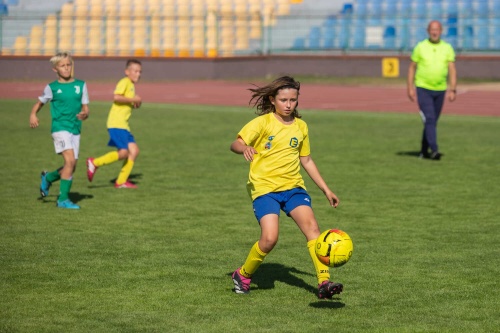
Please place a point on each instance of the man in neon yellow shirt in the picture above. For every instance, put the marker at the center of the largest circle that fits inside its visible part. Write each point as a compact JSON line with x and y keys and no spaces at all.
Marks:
{"x":432,"y":67}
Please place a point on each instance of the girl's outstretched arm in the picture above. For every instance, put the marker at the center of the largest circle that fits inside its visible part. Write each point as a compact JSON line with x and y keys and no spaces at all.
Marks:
{"x":313,"y":172}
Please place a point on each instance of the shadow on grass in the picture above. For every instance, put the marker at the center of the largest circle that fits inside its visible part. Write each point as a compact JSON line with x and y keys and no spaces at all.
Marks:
{"x":132,"y":178}
{"x":73,"y":196}
{"x":327,"y":304}
{"x":409,"y":153}
{"x":269,"y":273}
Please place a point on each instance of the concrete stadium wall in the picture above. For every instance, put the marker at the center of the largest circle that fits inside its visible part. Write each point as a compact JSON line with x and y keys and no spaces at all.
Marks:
{"x":164,"y":69}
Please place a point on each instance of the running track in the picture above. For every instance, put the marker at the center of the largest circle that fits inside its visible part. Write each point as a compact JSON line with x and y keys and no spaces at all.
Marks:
{"x":471,"y":100}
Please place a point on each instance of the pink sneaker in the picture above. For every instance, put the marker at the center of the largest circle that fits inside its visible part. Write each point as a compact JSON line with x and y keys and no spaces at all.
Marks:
{"x":91,"y":168}
{"x":241,"y":283}
{"x":127,"y":184}
{"x":327,"y":289}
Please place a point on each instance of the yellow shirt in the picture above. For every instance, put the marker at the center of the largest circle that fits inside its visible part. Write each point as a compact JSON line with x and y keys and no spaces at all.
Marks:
{"x":120,"y":113}
{"x":432,"y":64}
{"x":276,"y":166}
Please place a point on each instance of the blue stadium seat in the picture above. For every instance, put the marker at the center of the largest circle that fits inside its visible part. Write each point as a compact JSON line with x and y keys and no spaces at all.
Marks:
{"x":329,"y":42}
{"x":452,"y":36}
{"x":451,"y":7}
{"x":391,"y":7}
{"x":496,"y":7}
{"x":390,"y":37}
{"x":482,"y":33}
{"x":4,"y":10}
{"x":482,"y":7}
{"x":361,"y":9}
{"x":329,"y":37}
{"x":405,"y":7}
{"x":331,"y":21}
{"x":347,"y":9}
{"x":436,"y":10}
{"x":299,"y":43}
{"x":467,"y":8}
{"x":467,"y":40}
{"x":315,"y":38}
{"x":420,"y":9}
{"x":358,"y":35}
{"x":375,"y":8}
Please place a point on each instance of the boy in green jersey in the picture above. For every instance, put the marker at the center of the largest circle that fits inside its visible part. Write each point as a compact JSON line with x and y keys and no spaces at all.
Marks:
{"x":69,"y":101}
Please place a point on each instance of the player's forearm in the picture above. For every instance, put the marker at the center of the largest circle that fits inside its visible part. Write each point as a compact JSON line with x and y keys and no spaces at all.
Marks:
{"x":452,"y":78}
{"x":313,"y":172}
{"x":123,"y":99}
{"x":36,"y":108}
{"x":238,"y":147}
{"x":411,"y":76}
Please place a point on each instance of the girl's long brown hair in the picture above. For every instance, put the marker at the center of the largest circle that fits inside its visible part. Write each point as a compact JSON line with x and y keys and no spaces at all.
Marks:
{"x":260,"y":95}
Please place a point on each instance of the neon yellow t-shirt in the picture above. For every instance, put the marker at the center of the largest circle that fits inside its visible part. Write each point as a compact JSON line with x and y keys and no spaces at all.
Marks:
{"x":120,"y":113}
{"x":276,"y":167}
{"x":432,"y":64}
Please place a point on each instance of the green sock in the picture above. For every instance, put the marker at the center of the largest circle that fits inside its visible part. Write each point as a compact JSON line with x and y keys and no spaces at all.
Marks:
{"x":64,"y":190}
{"x":53,"y":176}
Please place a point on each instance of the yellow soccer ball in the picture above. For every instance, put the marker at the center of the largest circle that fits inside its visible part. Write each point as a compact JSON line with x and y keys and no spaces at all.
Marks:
{"x":334,"y":247}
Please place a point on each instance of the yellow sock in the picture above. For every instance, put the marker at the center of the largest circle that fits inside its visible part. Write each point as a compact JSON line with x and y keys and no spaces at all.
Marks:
{"x":254,"y":259}
{"x":322,"y":270}
{"x":106,"y":159}
{"x":125,"y":172}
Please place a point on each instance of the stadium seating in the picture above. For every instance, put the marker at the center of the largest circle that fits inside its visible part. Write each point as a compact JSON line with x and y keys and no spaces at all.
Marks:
{"x":207,"y":28}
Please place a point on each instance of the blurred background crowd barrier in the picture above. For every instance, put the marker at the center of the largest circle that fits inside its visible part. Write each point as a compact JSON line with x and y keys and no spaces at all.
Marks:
{"x":221,"y":28}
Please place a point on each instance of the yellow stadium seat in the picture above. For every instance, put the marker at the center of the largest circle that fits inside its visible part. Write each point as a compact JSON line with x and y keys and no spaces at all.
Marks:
{"x":35,"y":40}
{"x":67,"y":10}
{"x":50,"y":34}
{"x":125,"y":11}
{"x":255,"y":26}
{"x":97,"y":12}
{"x":95,"y":48}
{"x":49,"y":42}
{"x":81,"y":2}
{"x":283,"y":7}
{"x":139,"y":10}
{"x":20,"y":45}
{"x":6,"y":51}
{"x":81,"y":10}
{"x":212,"y":5}
{"x":182,"y":9}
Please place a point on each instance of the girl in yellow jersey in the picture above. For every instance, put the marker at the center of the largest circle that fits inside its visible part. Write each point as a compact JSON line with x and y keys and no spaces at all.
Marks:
{"x":276,"y":144}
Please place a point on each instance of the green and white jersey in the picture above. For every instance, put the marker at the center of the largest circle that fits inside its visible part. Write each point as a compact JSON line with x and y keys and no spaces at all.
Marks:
{"x":66,"y":101}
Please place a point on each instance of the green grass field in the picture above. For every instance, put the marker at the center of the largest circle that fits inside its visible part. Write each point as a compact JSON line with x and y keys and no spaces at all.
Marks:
{"x":157,"y":259}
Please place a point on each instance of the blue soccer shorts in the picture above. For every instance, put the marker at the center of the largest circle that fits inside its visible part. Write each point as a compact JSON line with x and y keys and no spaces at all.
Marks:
{"x":120,"y":138}
{"x":272,"y":203}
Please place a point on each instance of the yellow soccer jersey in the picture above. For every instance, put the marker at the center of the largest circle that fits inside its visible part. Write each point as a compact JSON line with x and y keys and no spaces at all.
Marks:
{"x":276,"y":167}
{"x":120,"y":113}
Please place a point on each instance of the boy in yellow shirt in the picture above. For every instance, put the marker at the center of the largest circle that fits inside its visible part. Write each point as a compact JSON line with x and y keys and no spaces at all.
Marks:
{"x":120,"y":136}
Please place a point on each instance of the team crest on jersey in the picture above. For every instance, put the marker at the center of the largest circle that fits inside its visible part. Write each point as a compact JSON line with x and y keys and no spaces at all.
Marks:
{"x":268,"y":143}
{"x":77,"y":90}
{"x":294,"y":142}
